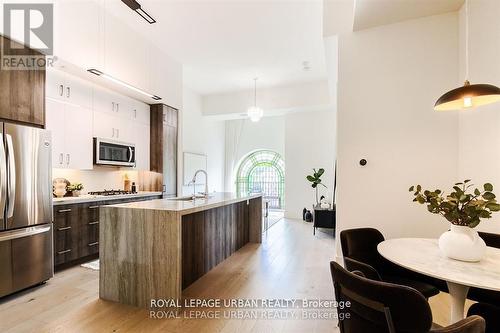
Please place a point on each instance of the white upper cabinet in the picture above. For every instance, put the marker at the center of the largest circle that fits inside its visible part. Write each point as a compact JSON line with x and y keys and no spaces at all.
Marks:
{"x":68,"y":88}
{"x":78,"y":137}
{"x":71,"y":128}
{"x":113,"y":127}
{"x":87,"y":34}
{"x":125,"y":52}
{"x":54,"y":122}
{"x":141,"y":140}
{"x":165,"y":77}
{"x":140,"y":112}
{"x":77,"y":32}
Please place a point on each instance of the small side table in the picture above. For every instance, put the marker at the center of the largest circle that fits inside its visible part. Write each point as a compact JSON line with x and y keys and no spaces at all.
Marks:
{"x":323,"y":218}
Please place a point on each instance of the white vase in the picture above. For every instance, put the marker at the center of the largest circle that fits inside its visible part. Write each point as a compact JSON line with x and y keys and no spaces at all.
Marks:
{"x":462,"y":243}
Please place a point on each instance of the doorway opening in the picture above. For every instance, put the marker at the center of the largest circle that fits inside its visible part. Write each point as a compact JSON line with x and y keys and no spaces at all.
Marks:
{"x":263,"y":171}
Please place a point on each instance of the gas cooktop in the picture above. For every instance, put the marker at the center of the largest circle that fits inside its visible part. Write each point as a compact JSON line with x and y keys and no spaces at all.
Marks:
{"x":111,"y":192}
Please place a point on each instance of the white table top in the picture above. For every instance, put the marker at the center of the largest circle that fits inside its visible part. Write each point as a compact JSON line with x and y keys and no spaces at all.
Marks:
{"x":423,"y":256}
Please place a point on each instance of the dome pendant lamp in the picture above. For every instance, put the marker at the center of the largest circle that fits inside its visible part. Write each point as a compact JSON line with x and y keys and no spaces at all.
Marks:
{"x":254,"y":112}
{"x":469,"y":95}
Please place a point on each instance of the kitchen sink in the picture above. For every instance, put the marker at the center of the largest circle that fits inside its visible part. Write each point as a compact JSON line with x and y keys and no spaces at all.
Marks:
{"x":188,"y":198}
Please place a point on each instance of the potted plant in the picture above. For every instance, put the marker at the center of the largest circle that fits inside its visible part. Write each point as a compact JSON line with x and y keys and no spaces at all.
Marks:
{"x":315,"y":180}
{"x":75,"y":189}
{"x":464,"y":209}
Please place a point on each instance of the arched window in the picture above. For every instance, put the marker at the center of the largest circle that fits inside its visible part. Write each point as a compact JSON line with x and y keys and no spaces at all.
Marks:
{"x":263,"y":171}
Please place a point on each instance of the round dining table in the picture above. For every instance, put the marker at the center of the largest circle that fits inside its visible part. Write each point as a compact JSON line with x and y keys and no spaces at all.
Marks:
{"x":423,"y":256}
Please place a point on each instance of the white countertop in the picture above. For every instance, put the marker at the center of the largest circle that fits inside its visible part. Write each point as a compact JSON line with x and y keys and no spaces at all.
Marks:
{"x":216,"y":199}
{"x":93,"y":198}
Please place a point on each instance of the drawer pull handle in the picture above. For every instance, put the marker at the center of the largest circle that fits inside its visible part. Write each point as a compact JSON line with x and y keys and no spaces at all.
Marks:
{"x":64,"y":210}
{"x":63,"y":252}
{"x":95,"y":222}
{"x":93,"y":207}
{"x":92,"y":244}
{"x":63,"y":228}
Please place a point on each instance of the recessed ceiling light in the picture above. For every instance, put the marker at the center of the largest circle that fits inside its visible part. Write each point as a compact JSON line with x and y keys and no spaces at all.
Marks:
{"x":136,"y":7}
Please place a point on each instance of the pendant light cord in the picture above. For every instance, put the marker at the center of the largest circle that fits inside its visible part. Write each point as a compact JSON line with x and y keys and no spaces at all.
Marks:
{"x":255,"y":92}
{"x":466,"y":40}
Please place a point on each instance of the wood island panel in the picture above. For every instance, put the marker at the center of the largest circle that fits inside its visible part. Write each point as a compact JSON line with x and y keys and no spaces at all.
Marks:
{"x":211,"y":236}
{"x":140,"y":255}
{"x":153,"y":250}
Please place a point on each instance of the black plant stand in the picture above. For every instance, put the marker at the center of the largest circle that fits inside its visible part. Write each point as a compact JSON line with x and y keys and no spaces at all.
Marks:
{"x":323,"y":218}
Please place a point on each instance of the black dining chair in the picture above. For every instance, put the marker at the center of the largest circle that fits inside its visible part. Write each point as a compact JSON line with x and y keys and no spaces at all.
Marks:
{"x":359,"y":247}
{"x":483,"y":295}
{"x":490,"y":313}
{"x":381,"y":307}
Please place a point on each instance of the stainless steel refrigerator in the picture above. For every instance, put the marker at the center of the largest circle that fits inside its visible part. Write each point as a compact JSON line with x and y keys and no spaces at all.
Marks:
{"x":26,"y":250}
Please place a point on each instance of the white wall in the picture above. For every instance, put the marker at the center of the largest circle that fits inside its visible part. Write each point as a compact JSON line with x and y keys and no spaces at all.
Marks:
{"x":389,"y":79}
{"x":202,"y":135}
{"x":479,"y":129}
{"x":303,"y":139}
{"x":268,"y":133}
{"x":244,"y":137}
{"x":309,"y":138}
{"x":272,"y":100}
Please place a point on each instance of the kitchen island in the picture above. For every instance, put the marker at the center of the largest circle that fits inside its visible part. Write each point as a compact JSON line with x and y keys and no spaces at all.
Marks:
{"x":155,"y":249}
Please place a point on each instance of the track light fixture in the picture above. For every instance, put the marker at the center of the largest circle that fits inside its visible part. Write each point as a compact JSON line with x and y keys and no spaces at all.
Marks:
{"x":136,"y":7}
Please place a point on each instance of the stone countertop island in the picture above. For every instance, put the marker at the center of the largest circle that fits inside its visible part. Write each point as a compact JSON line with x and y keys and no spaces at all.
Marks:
{"x":155,"y":249}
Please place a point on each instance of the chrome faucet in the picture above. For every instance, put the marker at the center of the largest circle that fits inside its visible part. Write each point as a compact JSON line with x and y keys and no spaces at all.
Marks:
{"x":193,"y":181}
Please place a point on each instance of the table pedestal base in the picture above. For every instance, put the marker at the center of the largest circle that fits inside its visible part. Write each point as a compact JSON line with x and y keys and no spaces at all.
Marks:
{"x":458,"y":293}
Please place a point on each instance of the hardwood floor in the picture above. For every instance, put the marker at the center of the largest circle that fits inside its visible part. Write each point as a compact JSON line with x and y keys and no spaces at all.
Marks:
{"x":291,"y":263}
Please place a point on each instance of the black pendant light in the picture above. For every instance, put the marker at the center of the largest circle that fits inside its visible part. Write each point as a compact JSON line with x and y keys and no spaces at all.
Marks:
{"x":470,"y":95}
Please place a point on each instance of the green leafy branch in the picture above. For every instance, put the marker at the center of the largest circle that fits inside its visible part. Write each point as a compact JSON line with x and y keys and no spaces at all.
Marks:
{"x":315,"y":178}
{"x":462,"y":206}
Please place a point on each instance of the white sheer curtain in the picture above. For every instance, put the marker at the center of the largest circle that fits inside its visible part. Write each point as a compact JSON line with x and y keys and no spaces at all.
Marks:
{"x":234,"y":129}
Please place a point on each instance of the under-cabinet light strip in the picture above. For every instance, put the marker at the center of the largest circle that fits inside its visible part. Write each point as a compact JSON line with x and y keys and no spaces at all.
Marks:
{"x":120,"y":82}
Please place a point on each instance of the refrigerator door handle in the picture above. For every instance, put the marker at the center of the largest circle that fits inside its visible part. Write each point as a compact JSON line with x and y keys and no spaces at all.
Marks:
{"x":31,"y":231}
{"x":3,"y":178}
{"x":12,"y":176}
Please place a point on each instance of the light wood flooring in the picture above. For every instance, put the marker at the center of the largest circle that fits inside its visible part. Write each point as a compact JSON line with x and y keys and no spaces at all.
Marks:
{"x":291,"y":263}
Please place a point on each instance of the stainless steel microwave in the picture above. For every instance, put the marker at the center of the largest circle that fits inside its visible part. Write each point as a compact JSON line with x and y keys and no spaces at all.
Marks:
{"x":109,"y":152}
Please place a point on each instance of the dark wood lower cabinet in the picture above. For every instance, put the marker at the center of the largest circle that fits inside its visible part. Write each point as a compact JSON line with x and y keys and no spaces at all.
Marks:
{"x":76,"y":231}
{"x":211,"y":236}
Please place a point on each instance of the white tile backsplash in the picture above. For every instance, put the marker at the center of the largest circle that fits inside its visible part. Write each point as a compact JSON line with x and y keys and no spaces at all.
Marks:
{"x":98,"y":179}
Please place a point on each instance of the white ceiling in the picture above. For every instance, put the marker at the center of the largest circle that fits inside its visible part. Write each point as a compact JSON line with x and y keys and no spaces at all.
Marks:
{"x":224,"y":44}
{"x":372,"y":13}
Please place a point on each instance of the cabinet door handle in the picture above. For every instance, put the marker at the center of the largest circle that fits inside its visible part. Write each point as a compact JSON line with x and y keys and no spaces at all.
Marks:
{"x":67,"y":159}
{"x":63,"y":228}
{"x":135,"y":113}
{"x":63,"y":252}
{"x":93,"y":223}
{"x":93,"y":207}
{"x":68,"y":92}
{"x":61,"y":158}
{"x":61,"y":90}
{"x":92,"y":244}
{"x":113,"y":106}
{"x":117,"y":107}
{"x":64,"y":210}
{"x":118,"y":133}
